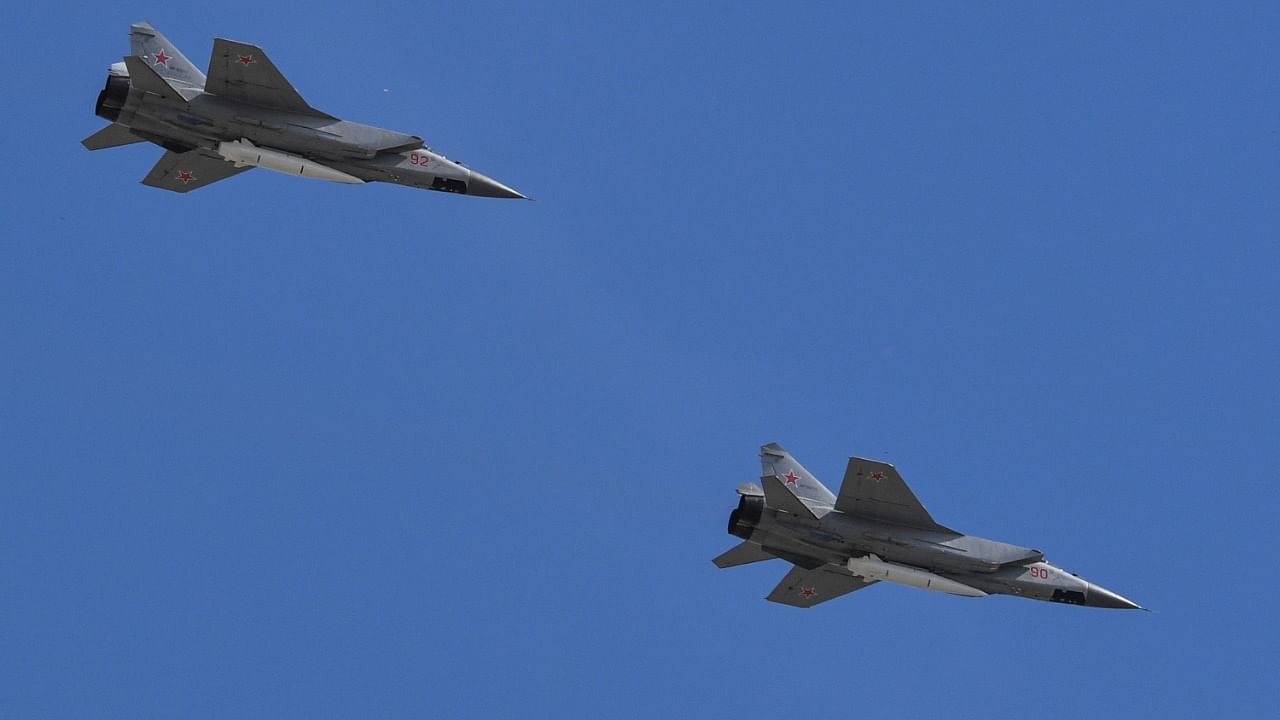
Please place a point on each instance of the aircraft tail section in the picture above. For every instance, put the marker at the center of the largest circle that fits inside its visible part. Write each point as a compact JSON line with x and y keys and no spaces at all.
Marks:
{"x":113,"y":135}
{"x":743,"y":553}
{"x":777,"y":462}
{"x":163,"y":56}
{"x":146,"y":80}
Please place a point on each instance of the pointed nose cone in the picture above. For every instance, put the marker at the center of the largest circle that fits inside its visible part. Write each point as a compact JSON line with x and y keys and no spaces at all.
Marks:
{"x":1099,"y":596}
{"x":485,"y":186}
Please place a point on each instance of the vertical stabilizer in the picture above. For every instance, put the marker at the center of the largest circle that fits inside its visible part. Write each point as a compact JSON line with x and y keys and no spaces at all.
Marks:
{"x":779,"y":463}
{"x":163,"y":56}
{"x":144,"y":79}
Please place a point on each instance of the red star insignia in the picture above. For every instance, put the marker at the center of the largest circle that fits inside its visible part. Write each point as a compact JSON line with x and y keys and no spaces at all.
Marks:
{"x":808,"y":592}
{"x":246,"y":59}
{"x":185,"y":176}
{"x":162,"y":59}
{"x":877,"y":476}
{"x":791,"y":477}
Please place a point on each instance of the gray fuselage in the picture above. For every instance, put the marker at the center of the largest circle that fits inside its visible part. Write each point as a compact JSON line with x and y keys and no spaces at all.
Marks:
{"x":988,"y":565}
{"x":192,"y":118}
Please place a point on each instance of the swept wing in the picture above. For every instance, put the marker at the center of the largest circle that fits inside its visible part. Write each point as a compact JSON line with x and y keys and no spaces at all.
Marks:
{"x":806,"y":588}
{"x":184,"y":172}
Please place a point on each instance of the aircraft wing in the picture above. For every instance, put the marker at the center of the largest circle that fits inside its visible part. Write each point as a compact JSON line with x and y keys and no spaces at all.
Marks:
{"x":184,"y":172}
{"x":805,"y":588}
{"x":244,"y":72}
{"x":875,"y":489}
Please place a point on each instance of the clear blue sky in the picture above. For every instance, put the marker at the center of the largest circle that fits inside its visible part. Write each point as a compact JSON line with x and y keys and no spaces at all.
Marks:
{"x":288,"y":448}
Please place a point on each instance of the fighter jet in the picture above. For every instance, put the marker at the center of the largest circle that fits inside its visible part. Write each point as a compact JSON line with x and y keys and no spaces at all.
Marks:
{"x":876,"y":530}
{"x":245,"y":114}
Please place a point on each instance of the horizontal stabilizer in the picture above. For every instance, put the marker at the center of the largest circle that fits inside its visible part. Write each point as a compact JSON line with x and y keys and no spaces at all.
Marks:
{"x":113,"y":135}
{"x":778,"y":496}
{"x":744,"y":553}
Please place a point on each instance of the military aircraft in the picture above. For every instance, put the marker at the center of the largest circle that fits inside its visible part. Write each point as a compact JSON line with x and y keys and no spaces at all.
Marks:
{"x":877,"y":530}
{"x":245,"y":114}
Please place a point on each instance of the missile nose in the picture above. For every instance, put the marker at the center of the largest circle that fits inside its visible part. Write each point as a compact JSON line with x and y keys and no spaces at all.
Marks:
{"x":1098,"y":596}
{"x":485,"y":186}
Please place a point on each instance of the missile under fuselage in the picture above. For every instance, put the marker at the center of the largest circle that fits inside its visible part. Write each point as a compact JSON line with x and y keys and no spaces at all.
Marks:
{"x":871,"y":567}
{"x":876,"y":530}
{"x":244,"y":153}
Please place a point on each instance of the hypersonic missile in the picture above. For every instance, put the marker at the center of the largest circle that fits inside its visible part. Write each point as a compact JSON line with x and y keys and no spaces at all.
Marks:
{"x":245,"y":114}
{"x":245,"y":154}
{"x":871,"y":568}
{"x":876,"y":530}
